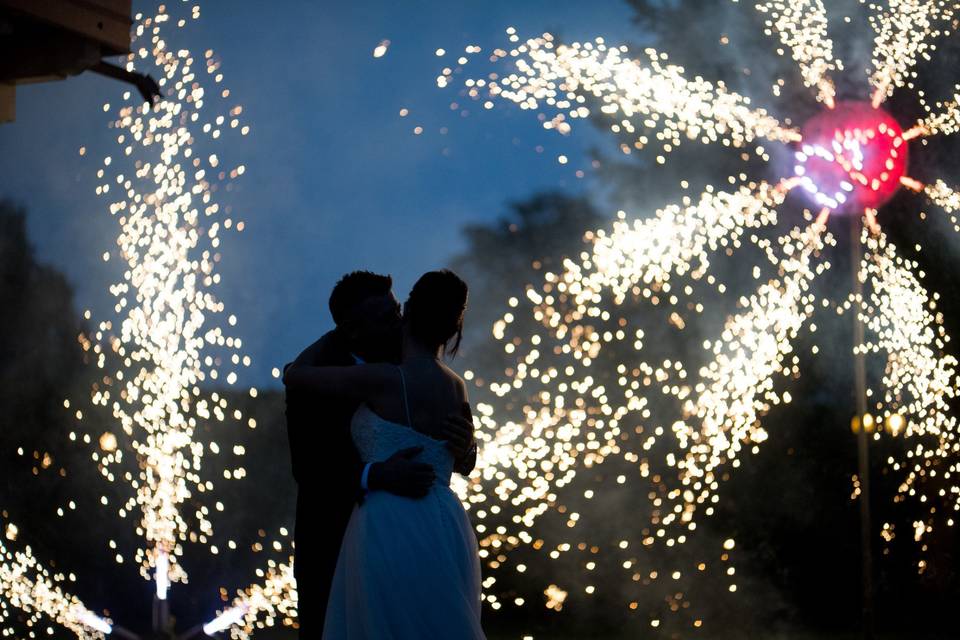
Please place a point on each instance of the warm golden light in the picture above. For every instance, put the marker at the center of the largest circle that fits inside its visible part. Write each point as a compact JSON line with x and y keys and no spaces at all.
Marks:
{"x":108,"y":442}
{"x":30,"y":586}
{"x":170,"y":345}
{"x":162,"y":189}
{"x":904,"y":31}
{"x":802,"y":27}
{"x":895,"y":424}
{"x":635,"y":94}
{"x":556,"y":413}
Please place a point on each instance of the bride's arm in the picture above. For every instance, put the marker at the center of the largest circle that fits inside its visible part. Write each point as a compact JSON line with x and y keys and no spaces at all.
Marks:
{"x":359,"y":382}
{"x":466,"y":456}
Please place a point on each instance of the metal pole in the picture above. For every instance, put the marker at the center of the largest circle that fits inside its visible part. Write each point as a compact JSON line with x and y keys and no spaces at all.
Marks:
{"x":863,"y":452}
{"x":161,"y":615}
{"x":123,"y":633}
{"x":192,"y":633}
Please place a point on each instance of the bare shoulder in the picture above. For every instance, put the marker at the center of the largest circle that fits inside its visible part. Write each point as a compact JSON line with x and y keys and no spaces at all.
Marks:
{"x":461,"y":386}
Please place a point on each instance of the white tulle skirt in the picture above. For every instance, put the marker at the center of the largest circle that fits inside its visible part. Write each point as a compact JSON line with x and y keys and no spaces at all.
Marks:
{"x":408,"y":569}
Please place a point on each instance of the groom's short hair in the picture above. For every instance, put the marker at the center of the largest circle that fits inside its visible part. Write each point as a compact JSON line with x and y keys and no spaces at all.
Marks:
{"x":353,"y":289}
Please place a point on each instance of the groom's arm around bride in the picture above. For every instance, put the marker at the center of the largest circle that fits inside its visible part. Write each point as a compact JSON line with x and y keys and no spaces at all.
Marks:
{"x":331,"y":478}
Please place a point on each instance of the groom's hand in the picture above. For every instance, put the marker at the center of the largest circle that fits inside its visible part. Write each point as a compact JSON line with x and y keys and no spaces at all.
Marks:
{"x":401,"y":475}
{"x":457,"y":430}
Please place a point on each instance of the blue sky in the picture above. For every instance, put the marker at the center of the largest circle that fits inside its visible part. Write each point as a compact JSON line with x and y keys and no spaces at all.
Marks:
{"x":336,"y":180}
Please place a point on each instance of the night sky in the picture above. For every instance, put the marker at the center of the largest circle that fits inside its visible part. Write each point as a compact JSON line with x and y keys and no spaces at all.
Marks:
{"x":336,"y":179}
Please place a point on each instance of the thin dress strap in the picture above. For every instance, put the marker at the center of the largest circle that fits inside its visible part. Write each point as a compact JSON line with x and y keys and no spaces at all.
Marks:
{"x":406,"y":402}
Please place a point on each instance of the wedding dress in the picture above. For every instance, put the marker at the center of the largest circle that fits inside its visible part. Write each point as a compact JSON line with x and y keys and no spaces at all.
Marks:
{"x":408,"y":568}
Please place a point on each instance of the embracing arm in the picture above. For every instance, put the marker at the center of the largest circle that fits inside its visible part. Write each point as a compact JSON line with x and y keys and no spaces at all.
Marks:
{"x":357,"y":382}
{"x":400,"y":474}
{"x":459,"y":433}
{"x":465,"y":443}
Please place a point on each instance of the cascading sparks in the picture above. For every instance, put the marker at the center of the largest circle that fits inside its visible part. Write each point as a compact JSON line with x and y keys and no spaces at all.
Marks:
{"x":945,"y":121}
{"x":737,"y":387}
{"x":652,"y":94}
{"x":171,"y":338}
{"x":946,"y":198}
{"x":904,"y":33}
{"x":919,"y":380}
{"x":802,"y":26}
{"x":679,"y":239}
{"x":579,"y":388}
{"x":25,"y":583}
{"x":274,"y":597}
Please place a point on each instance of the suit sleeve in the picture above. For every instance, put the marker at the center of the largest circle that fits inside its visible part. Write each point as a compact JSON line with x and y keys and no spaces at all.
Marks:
{"x":302,"y":416}
{"x":325,"y":352}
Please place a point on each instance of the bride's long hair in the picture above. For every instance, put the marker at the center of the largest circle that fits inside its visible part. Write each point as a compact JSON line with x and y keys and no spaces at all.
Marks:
{"x":435,"y":308}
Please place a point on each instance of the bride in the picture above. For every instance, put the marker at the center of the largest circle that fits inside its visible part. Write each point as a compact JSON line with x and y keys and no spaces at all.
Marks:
{"x":407,"y":568}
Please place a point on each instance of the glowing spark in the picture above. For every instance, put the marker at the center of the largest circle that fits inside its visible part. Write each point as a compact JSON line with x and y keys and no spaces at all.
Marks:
{"x":224,"y":621}
{"x":870,"y":219}
{"x":162,"y":575}
{"x":946,"y":121}
{"x":912,"y":184}
{"x":273,"y":598}
{"x":903,"y":30}
{"x":802,"y":26}
{"x":915,"y":132}
{"x":919,"y":380}
{"x":163,"y":197}
{"x":555,"y":597}
{"x":97,"y":623}
{"x":573,"y":417}
{"x":737,"y":386}
{"x":26,"y":584}
{"x":822,"y":217}
{"x":381,"y":49}
{"x":653,"y":96}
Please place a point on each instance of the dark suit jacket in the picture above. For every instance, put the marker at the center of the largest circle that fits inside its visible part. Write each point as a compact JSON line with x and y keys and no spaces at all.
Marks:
{"x":327,"y":469}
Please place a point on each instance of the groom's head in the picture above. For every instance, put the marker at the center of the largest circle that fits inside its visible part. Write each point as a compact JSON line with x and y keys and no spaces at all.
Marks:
{"x":367,"y":314}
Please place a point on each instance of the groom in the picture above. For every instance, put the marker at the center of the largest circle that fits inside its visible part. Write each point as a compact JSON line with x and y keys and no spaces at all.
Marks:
{"x":330,"y":477}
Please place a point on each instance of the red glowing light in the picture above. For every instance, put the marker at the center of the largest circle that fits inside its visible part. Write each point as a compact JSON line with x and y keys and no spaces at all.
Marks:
{"x":854,"y":156}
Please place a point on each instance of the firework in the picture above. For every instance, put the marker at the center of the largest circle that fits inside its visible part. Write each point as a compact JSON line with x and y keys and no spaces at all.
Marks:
{"x":171,"y":335}
{"x":162,"y":190}
{"x":802,"y":26}
{"x":652,"y":95}
{"x":272,"y":598}
{"x":567,"y":337}
{"x":919,"y":380}
{"x":904,"y":33}
{"x":25,"y":583}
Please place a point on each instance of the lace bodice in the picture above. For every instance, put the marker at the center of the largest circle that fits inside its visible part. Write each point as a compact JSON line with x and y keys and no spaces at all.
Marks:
{"x":378,"y":439}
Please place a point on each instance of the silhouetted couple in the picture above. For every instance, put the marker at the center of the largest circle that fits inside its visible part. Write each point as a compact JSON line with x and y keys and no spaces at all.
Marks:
{"x":377,"y":425}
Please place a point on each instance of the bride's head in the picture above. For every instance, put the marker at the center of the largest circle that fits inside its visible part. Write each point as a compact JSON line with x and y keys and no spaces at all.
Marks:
{"x":433,"y":313}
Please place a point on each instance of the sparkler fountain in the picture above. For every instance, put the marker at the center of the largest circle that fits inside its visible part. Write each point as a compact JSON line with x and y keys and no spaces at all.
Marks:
{"x":851,"y":159}
{"x":164,"y":193}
